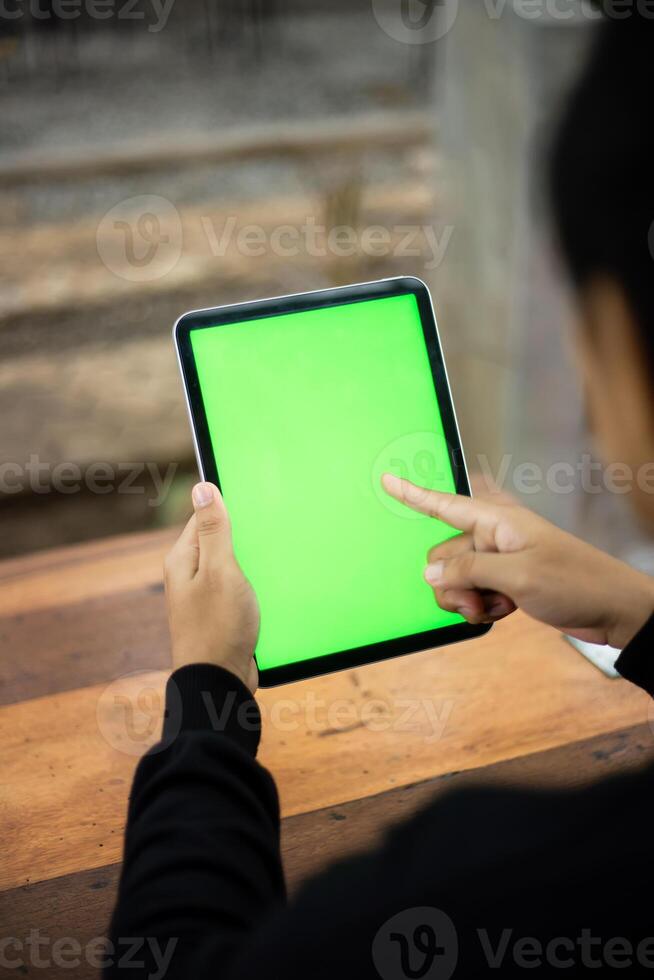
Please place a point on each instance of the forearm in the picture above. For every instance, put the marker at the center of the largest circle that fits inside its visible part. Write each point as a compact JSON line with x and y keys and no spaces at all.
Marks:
{"x":202,"y":864}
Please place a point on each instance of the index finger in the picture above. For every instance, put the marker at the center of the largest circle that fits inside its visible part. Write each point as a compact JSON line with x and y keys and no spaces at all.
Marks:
{"x":457,"y":511}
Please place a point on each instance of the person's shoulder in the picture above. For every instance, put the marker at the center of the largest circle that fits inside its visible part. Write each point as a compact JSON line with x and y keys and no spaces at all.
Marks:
{"x":483,"y":826}
{"x":479,"y":857}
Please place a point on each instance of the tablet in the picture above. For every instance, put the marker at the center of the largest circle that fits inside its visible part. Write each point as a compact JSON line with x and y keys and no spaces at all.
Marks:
{"x":298,"y":405}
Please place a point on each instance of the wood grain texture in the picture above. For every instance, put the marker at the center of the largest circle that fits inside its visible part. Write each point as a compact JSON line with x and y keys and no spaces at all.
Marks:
{"x":83,"y":643}
{"x":79,"y":905}
{"x":70,"y":556}
{"x":311,"y":841}
{"x":52,"y":580}
{"x":29,"y":586}
{"x":344,"y":135}
{"x":72,"y":617}
{"x":69,"y":757}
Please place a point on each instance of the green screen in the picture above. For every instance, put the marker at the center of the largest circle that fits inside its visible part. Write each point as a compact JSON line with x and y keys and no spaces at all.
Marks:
{"x":305,"y":412}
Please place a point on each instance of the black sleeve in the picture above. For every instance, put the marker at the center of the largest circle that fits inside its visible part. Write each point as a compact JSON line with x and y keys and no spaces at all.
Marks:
{"x":202,"y":863}
{"x":636,"y":662}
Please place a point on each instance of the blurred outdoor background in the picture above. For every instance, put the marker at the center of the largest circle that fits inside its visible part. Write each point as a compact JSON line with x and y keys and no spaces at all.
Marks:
{"x":163,"y":155}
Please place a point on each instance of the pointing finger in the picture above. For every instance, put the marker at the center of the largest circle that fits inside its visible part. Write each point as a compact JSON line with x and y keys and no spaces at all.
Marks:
{"x":457,"y":511}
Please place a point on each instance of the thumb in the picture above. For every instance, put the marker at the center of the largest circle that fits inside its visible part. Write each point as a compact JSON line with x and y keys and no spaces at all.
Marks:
{"x":212,"y":522}
{"x":474,"y":570}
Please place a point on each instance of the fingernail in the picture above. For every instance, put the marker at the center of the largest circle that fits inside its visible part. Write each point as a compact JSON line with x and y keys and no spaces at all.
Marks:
{"x":202,"y":494}
{"x":465,"y":611}
{"x":434,"y":573}
{"x":390,"y":479}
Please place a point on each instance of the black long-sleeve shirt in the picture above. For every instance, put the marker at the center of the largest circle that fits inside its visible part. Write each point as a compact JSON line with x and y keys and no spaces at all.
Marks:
{"x":484,"y":879}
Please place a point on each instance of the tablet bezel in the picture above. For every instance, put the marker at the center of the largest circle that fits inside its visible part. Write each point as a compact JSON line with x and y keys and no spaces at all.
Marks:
{"x":300,"y":303}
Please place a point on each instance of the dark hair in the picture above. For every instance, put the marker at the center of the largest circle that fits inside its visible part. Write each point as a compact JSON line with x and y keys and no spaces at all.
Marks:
{"x":602,"y":167}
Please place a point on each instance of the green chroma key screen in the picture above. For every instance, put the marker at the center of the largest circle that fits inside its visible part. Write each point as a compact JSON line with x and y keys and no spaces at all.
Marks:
{"x":304,"y":411}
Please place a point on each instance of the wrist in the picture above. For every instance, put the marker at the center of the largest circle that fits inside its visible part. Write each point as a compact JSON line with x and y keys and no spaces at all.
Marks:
{"x":244,"y":669}
{"x":208,"y":697}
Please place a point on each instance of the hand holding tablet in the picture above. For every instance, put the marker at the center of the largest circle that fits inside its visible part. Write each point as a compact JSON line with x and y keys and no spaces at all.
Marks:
{"x":298,"y":406}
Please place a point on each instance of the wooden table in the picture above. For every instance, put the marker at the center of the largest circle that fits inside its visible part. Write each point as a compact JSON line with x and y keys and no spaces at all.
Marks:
{"x":84,"y":659}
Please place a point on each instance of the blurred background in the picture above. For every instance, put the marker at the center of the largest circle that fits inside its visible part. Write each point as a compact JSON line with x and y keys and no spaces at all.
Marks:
{"x":163,"y":155}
